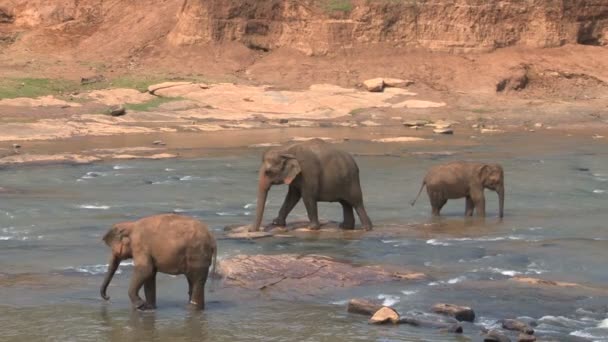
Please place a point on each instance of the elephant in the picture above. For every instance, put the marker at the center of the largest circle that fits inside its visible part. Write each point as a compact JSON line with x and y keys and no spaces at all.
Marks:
{"x":464,"y":179}
{"x":315,"y":171}
{"x":167,"y":243}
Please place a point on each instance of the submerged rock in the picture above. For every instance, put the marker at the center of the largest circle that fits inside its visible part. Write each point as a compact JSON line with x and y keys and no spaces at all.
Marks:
{"x":306,"y":274}
{"x":513,"y":324}
{"x":495,"y":336}
{"x":461,"y":313}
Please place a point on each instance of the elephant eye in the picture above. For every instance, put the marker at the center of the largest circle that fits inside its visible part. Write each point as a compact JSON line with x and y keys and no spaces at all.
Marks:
{"x":268,"y":172}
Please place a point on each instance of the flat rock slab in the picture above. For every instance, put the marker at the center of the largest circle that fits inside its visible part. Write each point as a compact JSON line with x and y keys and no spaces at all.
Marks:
{"x":308,"y":274}
{"x":299,"y":229}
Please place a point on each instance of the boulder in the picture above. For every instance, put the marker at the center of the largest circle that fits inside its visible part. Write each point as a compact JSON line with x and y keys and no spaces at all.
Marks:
{"x":117,"y":110}
{"x":461,"y":313}
{"x":385,"y":315}
{"x":397,"y":82}
{"x":374,"y":84}
{"x":516,"y":80}
{"x":363,"y":306}
{"x":308,"y":274}
{"x":517,"y":325}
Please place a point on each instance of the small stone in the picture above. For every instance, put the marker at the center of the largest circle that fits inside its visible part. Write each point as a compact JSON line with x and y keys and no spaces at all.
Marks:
{"x":495,"y":336}
{"x":526,"y":338}
{"x":92,"y":79}
{"x":538,"y":125}
{"x":16,"y":146}
{"x":385,"y":315}
{"x":443,"y":131}
{"x":158,"y":142}
{"x":118,"y":111}
{"x":490,"y":130}
{"x":461,"y":313}
{"x":283,"y":121}
{"x":374,"y":85}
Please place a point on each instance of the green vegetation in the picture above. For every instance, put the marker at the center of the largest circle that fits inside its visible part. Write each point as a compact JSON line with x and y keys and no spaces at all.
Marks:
{"x":150,"y":105}
{"x":338,"y":5}
{"x":33,"y":87}
{"x":356,"y":111}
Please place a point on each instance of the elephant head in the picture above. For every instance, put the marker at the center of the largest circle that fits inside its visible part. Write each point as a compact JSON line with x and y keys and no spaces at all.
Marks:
{"x":492,"y":177}
{"x":278,"y":167}
{"x":119,"y":241}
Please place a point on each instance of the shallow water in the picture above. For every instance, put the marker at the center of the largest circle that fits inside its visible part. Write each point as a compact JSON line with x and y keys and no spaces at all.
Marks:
{"x":555,"y":228}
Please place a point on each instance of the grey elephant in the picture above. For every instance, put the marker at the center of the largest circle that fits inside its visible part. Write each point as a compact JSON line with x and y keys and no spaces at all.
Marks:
{"x":464,"y":179}
{"x":315,"y":171}
{"x":167,"y":243}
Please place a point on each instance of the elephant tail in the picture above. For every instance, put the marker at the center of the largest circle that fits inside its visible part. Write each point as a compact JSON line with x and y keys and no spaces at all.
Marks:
{"x":419,"y":192}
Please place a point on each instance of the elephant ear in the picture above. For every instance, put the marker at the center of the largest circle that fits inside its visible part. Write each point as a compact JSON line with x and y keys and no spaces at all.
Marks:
{"x":118,"y":232}
{"x":291,"y":168}
{"x":484,"y":173}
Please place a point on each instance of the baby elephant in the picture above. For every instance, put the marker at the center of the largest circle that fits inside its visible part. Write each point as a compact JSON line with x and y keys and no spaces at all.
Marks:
{"x":464,"y":179}
{"x":167,"y":243}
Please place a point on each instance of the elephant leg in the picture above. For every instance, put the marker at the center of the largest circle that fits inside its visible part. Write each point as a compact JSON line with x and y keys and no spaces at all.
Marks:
{"x":479,"y":202}
{"x":366,"y":223}
{"x":140,"y":275}
{"x":470,"y":206}
{"x":198,"y":288}
{"x":349,"y":216}
{"x":189,"y":288}
{"x":291,"y":199}
{"x":150,"y":291}
{"x":311,"y":210}
{"x":437,"y":202}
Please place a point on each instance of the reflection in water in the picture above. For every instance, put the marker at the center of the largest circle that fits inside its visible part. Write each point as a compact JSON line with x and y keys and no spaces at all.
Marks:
{"x":554,"y":228}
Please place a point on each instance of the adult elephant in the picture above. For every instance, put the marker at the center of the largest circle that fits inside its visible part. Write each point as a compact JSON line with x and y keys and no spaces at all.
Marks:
{"x":315,"y":171}
{"x":464,"y":179}
{"x":167,"y":243}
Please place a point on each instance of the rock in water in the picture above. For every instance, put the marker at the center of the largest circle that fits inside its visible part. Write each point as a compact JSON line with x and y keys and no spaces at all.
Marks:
{"x":526,"y":338}
{"x":513,"y":324}
{"x":363,"y":306}
{"x":385,"y":315}
{"x":495,"y":336}
{"x":461,"y":313}
{"x":443,"y":131}
{"x":374,"y":85}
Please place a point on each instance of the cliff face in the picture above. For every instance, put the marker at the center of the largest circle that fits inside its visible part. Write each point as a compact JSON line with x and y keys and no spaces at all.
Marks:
{"x":315,"y":27}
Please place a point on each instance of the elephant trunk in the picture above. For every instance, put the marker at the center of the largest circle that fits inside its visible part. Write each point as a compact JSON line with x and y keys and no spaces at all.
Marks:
{"x":112,"y":267}
{"x":263,"y":187}
{"x":501,"y":200}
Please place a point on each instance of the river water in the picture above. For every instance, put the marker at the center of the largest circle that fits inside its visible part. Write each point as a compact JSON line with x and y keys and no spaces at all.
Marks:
{"x":556,"y":219}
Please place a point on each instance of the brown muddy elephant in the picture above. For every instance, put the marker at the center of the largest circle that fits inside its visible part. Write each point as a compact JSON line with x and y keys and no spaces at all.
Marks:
{"x":464,"y":179}
{"x":315,"y":171}
{"x":167,"y":243}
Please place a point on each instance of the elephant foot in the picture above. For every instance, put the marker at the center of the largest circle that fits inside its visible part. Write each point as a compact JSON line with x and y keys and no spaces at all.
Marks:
{"x":279,"y":222}
{"x":349,"y":225}
{"x":314,"y":226}
{"x":146,"y":307}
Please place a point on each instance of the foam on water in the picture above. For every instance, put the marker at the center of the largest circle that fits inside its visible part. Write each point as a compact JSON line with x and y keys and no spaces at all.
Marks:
{"x":94,"y":206}
{"x":249,"y":206}
{"x":599,"y":191}
{"x":122,"y":167}
{"x":388,"y":300}
{"x":409,"y":293}
{"x":603,"y":324}
{"x":436,"y":242}
{"x":96,"y":269}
